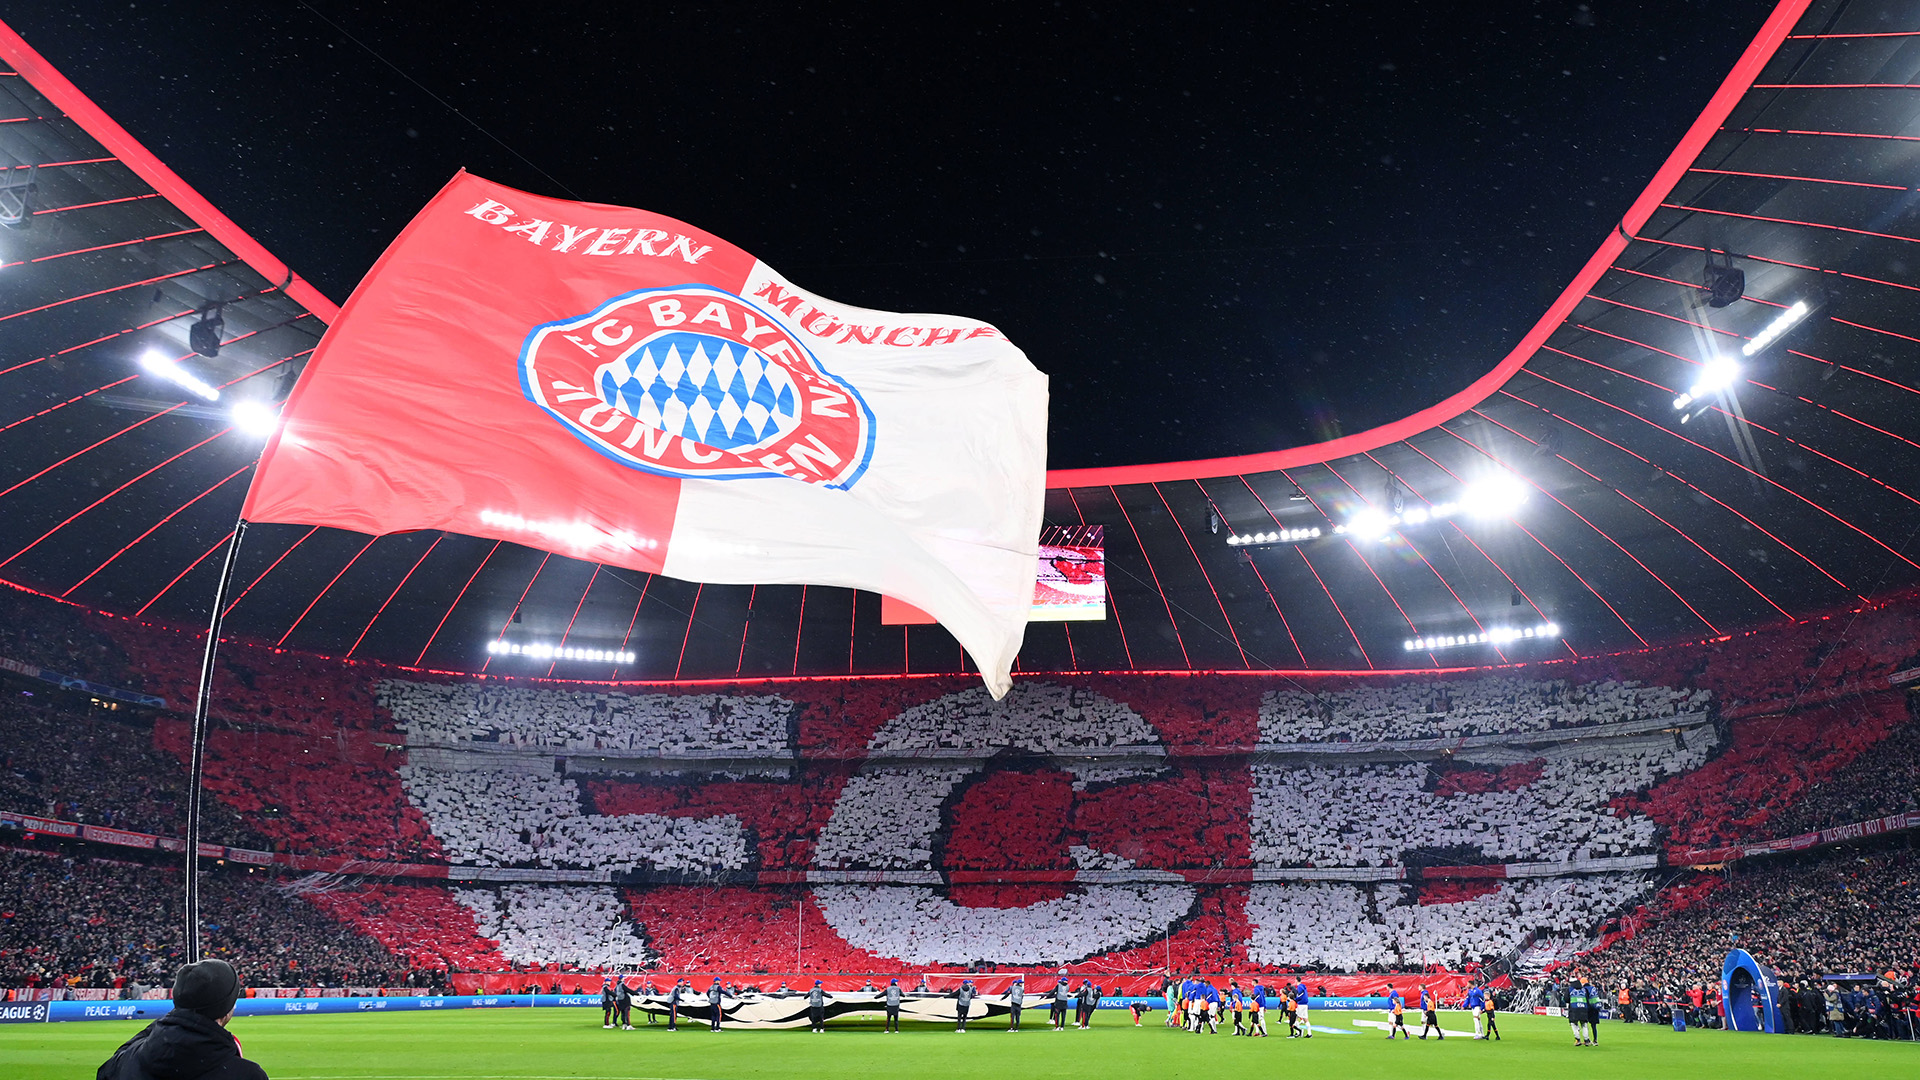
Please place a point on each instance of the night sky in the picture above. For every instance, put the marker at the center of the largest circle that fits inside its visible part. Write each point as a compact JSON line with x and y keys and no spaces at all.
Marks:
{"x":1221,"y":229}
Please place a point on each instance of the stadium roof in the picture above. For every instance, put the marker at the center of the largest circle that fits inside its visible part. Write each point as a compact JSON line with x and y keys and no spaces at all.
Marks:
{"x":1644,"y":523}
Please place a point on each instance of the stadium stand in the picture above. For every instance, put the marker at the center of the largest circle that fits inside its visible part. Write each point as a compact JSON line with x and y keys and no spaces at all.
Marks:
{"x":1437,"y":709}
{"x":64,"y":758}
{"x":1350,"y":928}
{"x":503,"y":818}
{"x":656,"y":724}
{"x":544,"y":924}
{"x":67,"y":925}
{"x":991,"y":825}
{"x":1845,"y":911}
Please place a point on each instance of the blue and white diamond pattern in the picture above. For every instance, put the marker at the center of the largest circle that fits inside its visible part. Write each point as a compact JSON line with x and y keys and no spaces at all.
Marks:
{"x":716,"y":392}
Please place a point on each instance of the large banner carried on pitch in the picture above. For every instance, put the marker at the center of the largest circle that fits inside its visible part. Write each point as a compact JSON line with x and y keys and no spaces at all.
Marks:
{"x":617,"y":386}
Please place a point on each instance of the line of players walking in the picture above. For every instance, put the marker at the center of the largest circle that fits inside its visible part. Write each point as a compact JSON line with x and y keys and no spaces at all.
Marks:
{"x":1479,"y":1002}
{"x":1194,"y":1003}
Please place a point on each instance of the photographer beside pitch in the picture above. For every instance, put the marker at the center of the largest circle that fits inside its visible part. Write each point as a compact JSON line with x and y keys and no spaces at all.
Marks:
{"x":191,"y":1041}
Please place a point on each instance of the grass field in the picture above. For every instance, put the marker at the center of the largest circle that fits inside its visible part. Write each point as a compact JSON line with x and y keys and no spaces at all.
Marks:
{"x":561,"y":1044}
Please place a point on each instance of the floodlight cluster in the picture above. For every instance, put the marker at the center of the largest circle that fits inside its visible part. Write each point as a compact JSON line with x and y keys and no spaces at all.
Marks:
{"x":1283,"y":536}
{"x":1716,"y":375}
{"x":1498,"y":635}
{"x":1781,"y":324}
{"x":1497,"y":496}
{"x":542,"y":651}
{"x":156,"y":363}
{"x":255,"y":418}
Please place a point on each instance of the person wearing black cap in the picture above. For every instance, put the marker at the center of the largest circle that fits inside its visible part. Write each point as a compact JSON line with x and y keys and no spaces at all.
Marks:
{"x":189,"y":1042}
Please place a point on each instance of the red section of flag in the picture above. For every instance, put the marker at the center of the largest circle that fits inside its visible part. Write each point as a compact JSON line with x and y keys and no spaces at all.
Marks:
{"x":412,"y":413}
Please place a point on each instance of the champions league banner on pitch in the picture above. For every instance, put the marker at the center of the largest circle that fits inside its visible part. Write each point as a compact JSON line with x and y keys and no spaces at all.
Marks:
{"x":616,"y":386}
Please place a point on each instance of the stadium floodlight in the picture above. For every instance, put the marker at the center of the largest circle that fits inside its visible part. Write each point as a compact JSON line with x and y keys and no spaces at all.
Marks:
{"x":1371,"y":524}
{"x":1716,"y":375}
{"x":544,"y":651}
{"x":1498,"y":635}
{"x":1497,"y":496}
{"x":1283,"y":536}
{"x":156,"y":363}
{"x":1781,"y":323}
{"x":256,"y":418}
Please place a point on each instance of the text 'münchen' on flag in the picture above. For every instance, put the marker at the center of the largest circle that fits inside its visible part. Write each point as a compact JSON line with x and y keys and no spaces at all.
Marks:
{"x":616,"y":386}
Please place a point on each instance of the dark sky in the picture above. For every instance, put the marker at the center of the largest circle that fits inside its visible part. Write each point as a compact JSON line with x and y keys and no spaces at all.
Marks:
{"x":1221,"y":229}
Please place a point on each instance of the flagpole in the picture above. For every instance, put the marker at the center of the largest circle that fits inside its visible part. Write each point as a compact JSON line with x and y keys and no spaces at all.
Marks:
{"x":198,"y":762}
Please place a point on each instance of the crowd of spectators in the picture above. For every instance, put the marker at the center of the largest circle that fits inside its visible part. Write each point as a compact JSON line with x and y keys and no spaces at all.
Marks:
{"x":424,"y":925}
{"x":918,"y":926}
{"x":1882,"y":781}
{"x":1810,"y":916}
{"x":1769,"y":763}
{"x":1347,"y":927}
{"x":64,"y":758}
{"x":318,"y":793}
{"x":68,"y":920}
{"x":1562,"y":815}
{"x":667,"y":725}
{"x":59,"y":637}
{"x":505,"y":817}
{"x":582,"y":926}
{"x":1455,"y":708}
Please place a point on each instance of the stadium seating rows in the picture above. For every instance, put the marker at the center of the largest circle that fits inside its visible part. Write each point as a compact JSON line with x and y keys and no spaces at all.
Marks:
{"x":1087,"y":773}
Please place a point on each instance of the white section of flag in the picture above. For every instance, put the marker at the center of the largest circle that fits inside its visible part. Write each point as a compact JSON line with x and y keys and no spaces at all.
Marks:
{"x":947,"y":516}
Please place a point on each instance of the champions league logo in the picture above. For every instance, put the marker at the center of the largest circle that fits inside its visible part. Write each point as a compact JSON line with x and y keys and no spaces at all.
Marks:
{"x":694,"y":382}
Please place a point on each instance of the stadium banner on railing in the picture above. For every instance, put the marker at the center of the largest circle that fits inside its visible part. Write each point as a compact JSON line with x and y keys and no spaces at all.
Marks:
{"x":69,"y":682}
{"x":617,"y":386}
{"x":25,"y":1012}
{"x":1839,"y":834}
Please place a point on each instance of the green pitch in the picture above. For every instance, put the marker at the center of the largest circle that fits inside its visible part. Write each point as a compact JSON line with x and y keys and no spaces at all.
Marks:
{"x":561,"y":1044}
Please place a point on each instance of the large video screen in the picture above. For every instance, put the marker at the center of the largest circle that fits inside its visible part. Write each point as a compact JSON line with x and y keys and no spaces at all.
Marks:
{"x":1072,"y":582}
{"x":1070,"y":585}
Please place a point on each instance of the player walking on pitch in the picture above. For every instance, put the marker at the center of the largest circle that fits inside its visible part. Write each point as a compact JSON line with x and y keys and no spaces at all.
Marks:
{"x":1428,"y":1002}
{"x":1396,"y":1014}
{"x":1476,"y":1004}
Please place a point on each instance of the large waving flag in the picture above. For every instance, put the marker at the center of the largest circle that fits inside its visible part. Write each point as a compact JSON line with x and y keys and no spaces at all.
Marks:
{"x":616,"y":386}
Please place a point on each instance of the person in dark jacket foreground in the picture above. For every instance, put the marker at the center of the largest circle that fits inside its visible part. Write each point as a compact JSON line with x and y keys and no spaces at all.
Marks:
{"x":190,"y":1042}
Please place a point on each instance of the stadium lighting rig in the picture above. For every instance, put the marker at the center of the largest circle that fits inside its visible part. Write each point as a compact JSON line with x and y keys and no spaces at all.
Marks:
{"x":156,"y":363}
{"x":1497,"y":496}
{"x":1781,"y":323}
{"x":543,"y":651}
{"x":1716,"y":376}
{"x":255,"y":418}
{"x":1499,"y":635}
{"x":1282,"y":536}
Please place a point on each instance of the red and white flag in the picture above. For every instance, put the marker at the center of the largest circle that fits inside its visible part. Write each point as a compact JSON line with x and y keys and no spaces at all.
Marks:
{"x":616,"y":386}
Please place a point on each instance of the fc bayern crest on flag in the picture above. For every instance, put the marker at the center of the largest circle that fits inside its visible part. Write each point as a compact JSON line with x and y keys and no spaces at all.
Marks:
{"x":694,"y":382}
